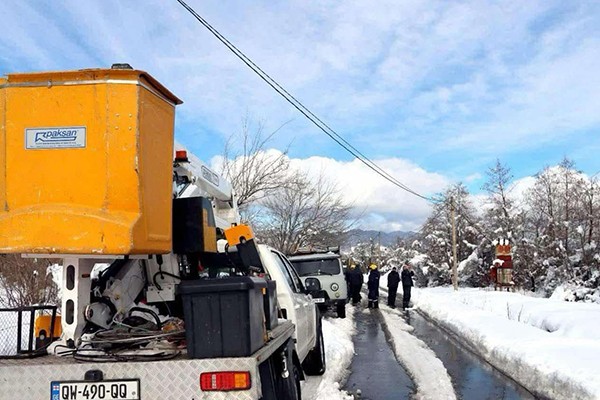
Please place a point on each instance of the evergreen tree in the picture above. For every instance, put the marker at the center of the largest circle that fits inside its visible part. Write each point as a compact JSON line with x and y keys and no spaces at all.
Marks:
{"x":437,"y":237}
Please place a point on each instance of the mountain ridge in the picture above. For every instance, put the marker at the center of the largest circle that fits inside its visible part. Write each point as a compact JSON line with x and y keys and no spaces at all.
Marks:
{"x":387,"y":239}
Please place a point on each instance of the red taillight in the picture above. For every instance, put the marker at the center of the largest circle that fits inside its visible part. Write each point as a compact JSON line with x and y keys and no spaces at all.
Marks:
{"x":224,"y":381}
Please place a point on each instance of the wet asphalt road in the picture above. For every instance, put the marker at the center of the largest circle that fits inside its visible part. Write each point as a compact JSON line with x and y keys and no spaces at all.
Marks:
{"x":472,"y":378}
{"x":379,"y":376}
{"x":375,"y":370}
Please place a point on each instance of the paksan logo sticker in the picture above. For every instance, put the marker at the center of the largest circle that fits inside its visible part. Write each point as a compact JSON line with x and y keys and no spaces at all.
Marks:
{"x":210,"y":176}
{"x":55,"y":138}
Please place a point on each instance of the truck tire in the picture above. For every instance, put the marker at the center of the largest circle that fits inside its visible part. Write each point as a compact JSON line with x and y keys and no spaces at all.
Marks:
{"x":277,"y":385}
{"x":296,"y":392}
{"x":288,"y":387}
{"x":341,"y":310}
{"x":314,"y":363}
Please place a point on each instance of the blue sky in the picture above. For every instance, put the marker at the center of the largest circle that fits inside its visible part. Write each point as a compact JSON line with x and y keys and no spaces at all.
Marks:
{"x":435,"y":90}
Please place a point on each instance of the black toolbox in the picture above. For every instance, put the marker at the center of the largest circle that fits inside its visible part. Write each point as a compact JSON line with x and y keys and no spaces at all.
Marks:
{"x":224,"y":317}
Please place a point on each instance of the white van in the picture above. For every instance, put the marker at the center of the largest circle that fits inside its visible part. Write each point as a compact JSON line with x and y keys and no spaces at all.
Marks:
{"x":324,"y":278}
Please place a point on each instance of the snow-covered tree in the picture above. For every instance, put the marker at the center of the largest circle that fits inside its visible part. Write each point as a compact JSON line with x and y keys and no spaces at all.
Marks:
{"x":560,"y":245}
{"x":437,"y":235}
{"x":554,"y":230}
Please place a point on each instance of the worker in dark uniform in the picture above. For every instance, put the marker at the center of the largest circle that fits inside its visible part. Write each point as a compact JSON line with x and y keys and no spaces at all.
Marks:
{"x":392,"y":281}
{"x":373,"y":285}
{"x":407,"y":283}
{"x":355,"y":280}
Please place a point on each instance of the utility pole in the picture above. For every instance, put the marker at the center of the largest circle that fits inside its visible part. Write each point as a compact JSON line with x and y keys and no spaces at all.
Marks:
{"x":454,"y":269}
{"x":379,"y":249}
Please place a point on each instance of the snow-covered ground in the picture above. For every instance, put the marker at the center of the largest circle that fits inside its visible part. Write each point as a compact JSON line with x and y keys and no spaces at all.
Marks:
{"x":550,"y":347}
{"x":339,"y":350}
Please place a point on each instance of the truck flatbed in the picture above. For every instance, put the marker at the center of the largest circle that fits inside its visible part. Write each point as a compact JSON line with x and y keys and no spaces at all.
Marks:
{"x":175,"y":379}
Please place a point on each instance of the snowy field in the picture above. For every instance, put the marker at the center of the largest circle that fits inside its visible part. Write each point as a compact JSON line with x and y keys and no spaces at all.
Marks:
{"x":550,"y":347}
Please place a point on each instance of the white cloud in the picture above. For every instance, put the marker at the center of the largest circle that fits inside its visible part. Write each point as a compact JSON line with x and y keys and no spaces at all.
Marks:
{"x":436,"y":63}
{"x":376,"y":203}
{"x":519,"y":188}
{"x":379,"y":204}
{"x":473,"y":177}
{"x":411,"y":79}
{"x":480,"y":203}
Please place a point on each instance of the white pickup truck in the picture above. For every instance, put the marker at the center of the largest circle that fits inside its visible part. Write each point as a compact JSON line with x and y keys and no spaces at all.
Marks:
{"x":294,"y":348}
{"x":299,"y":307}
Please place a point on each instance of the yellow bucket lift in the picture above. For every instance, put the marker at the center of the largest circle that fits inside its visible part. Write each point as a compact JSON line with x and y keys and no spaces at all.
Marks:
{"x":86,"y":162}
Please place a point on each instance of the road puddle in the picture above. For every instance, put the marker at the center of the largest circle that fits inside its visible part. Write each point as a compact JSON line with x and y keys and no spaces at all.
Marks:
{"x":473,"y":378}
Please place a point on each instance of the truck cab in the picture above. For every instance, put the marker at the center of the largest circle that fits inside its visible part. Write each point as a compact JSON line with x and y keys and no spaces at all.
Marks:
{"x":295,"y":304}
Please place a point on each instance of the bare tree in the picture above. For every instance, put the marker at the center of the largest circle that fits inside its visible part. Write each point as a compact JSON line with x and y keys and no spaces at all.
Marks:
{"x":253,"y":171}
{"x":591,"y":210}
{"x":499,"y":177}
{"x":303,"y":212}
{"x":504,"y":219}
{"x":26,"y":281}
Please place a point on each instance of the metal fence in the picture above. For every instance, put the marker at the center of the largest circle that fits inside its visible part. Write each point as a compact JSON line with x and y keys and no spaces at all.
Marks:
{"x":18,"y":336}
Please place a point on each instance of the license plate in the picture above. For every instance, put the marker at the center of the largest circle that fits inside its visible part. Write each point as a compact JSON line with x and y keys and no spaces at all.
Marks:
{"x":319,"y":300}
{"x":103,"y":390}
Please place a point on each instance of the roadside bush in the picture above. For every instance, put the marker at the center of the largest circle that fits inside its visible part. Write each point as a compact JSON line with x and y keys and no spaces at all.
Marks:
{"x":26,"y":281}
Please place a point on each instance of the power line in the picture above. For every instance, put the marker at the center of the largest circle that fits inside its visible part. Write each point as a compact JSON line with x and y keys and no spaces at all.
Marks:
{"x":431,"y":218}
{"x":300,"y":107}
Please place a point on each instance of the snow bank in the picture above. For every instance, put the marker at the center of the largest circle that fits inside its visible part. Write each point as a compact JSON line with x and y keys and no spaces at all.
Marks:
{"x":550,"y":347}
{"x":576,"y":293}
{"x":339,"y":350}
{"x":426,"y":370}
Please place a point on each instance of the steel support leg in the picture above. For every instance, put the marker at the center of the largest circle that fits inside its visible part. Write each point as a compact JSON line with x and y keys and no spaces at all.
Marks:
{"x":76,"y":287}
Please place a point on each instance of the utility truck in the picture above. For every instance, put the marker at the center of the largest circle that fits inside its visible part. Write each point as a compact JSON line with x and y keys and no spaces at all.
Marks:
{"x":165,"y":295}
